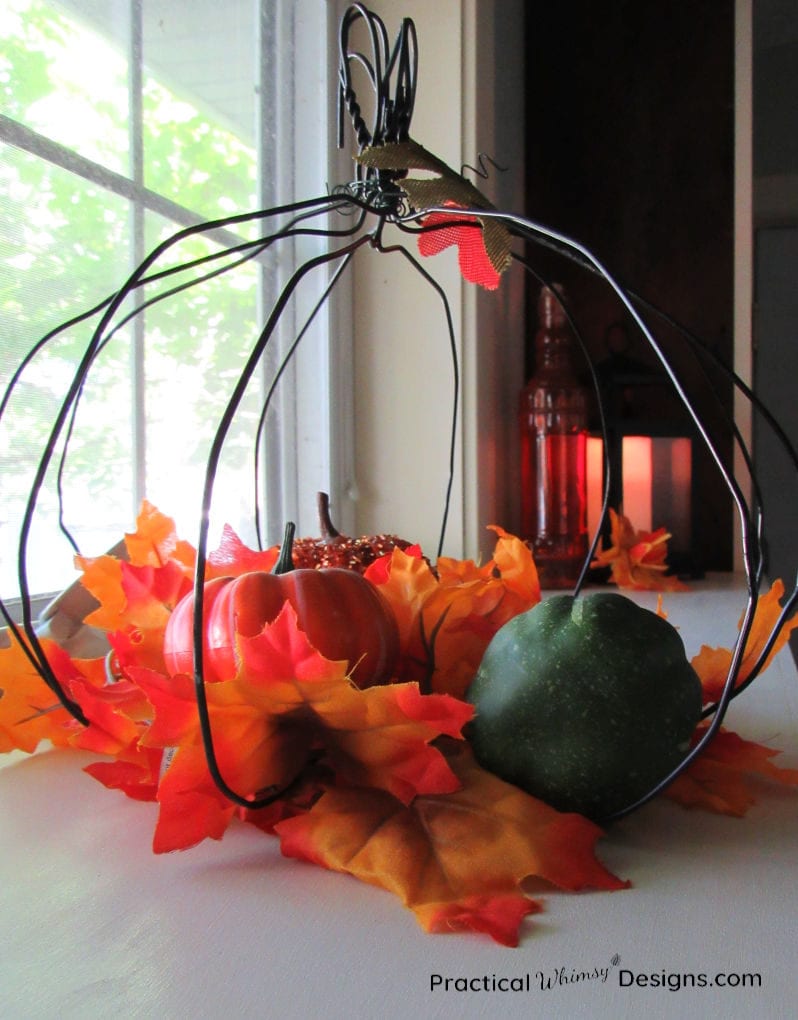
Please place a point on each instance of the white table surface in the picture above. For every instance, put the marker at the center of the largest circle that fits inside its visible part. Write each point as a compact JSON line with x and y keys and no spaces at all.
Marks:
{"x":95,"y":925}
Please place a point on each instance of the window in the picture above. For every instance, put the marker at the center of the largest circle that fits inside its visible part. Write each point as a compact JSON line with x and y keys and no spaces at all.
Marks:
{"x":122,"y":122}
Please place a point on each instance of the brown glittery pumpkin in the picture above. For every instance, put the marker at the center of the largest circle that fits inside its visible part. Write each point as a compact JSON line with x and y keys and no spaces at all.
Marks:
{"x":332,"y":549}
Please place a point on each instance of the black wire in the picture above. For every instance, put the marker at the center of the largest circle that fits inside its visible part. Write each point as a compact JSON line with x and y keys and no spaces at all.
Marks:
{"x":399,"y":249}
{"x":253,"y":250}
{"x":258,"y":248}
{"x":392,"y":111}
{"x":703,"y":353}
{"x":379,"y":47}
{"x":532,"y":231}
{"x":198,"y":631}
{"x":751,"y":523}
{"x":273,"y":387}
{"x":32,"y":644}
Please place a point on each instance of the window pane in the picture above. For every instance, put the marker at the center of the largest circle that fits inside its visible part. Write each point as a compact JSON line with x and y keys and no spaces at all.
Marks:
{"x":192,"y":160}
{"x":190,"y":154}
{"x":49,"y":270}
{"x":50,"y":84}
{"x":196,"y":344}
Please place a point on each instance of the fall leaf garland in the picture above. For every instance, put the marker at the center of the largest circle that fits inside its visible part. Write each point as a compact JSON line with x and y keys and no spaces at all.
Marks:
{"x":378,"y":783}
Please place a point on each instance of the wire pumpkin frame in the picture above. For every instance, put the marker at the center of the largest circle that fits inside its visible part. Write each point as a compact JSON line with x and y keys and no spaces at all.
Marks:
{"x":353,"y":217}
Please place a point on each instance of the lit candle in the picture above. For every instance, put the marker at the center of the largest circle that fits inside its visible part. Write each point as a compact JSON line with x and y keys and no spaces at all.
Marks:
{"x":595,"y":482}
{"x":637,"y":481}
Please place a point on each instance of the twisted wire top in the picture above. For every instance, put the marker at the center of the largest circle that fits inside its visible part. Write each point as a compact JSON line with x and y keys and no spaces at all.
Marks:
{"x":392,"y":74}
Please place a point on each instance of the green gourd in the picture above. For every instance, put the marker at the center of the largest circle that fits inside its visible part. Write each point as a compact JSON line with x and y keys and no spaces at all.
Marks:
{"x":586,"y":702}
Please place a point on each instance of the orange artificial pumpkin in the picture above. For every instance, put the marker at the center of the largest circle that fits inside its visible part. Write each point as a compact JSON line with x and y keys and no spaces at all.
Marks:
{"x":342,"y":614}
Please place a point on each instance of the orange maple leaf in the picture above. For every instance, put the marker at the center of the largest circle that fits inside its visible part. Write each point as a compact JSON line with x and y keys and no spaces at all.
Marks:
{"x":136,"y":596}
{"x":447,"y":617}
{"x":457,"y":860}
{"x":29,"y":711}
{"x":135,"y":602}
{"x":233,"y":558}
{"x":712,"y":664}
{"x":722,"y":779}
{"x":286,"y":702}
{"x":155,"y":541}
{"x":637,"y":559}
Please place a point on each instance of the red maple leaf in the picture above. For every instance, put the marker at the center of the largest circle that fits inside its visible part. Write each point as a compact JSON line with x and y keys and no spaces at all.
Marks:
{"x":442,"y":231}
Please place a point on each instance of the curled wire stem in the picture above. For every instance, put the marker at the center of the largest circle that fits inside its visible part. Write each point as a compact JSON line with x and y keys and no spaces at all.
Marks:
{"x":483,"y":159}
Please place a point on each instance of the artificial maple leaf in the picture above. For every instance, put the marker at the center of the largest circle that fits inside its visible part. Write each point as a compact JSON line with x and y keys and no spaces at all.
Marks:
{"x":637,"y":559}
{"x":137,"y":779}
{"x":722,"y":778}
{"x":143,"y":589}
{"x":136,"y":597}
{"x":117,"y":714}
{"x":441,"y":231}
{"x":488,"y":248}
{"x":713,"y":664}
{"x":132,"y":595}
{"x":406,"y":580}
{"x":513,"y":559}
{"x":155,"y":541}
{"x":447,"y":617}
{"x":232,"y":557}
{"x":286,"y":702}
{"x":135,"y":603}
{"x":102,"y":577}
{"x":378,"y":736}
{"x":457,"y":860}
{"x":29,"y":711}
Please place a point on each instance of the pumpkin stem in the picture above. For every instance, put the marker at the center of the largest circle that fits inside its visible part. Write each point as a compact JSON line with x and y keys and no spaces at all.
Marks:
{"x":326,"y":526}
{"x":285,"y":561}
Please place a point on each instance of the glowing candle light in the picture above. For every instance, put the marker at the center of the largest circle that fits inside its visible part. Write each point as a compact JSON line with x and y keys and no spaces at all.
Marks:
{"x":637,"y":481}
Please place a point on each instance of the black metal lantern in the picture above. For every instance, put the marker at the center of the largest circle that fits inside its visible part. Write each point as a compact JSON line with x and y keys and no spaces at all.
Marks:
{"x":650,"y":455}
